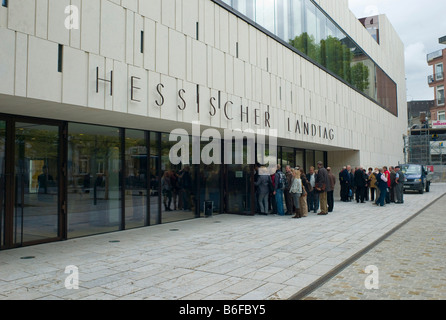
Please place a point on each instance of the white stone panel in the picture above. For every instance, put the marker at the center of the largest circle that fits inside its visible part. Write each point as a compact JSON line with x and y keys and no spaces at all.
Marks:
{"x":177,"y":54}
{"x":90,"y":26}
{"x":56,"y":21}
{"x":75,"y":77}
{"x":139,"y":81}
{"x":150,"y":9}
{"x":44,"y":81}
{"x":7,"y":61}
{"x":41,"y":18}
{"x":21,"y":15}
{"x":113,"y":31}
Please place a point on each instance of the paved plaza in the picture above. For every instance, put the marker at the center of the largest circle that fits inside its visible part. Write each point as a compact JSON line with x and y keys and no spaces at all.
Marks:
{"x":410,"y":264}
{"x":230,"y":257}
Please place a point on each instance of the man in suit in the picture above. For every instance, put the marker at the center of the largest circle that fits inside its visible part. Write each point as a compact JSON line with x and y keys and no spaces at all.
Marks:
{"x":360,"y":183}
{"x":344,"y":179}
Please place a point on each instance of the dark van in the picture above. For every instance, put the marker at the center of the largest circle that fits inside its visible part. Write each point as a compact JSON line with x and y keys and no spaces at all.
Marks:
{"x":418,"y":177}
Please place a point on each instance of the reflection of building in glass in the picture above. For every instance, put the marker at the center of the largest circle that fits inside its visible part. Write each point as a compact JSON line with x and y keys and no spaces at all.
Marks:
{"x":306,"y":27}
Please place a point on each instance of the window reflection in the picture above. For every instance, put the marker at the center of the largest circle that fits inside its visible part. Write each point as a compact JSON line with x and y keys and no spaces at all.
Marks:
{"x":305,"y":27}
{"x":94,"y":194}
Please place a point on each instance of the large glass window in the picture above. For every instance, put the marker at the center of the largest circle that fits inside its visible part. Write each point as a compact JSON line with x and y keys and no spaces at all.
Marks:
{"x":440,"y":95}
{"x":178,"y":182}
{"x":303,"y":25}
{"x":94,"y":193}
{"x":36,"y":210}
{"x":155,"y":165}
{"x":136,"y":179}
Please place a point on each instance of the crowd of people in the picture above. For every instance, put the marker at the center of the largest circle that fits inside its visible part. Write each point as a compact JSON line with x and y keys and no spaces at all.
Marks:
{"x":297,"y":193}
{"x":380,"y":185}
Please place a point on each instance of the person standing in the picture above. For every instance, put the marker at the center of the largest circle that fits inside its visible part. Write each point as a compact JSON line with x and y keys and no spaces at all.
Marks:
{"x":399,"y":180}
{"x":382,"y":185}
{"x":313,"y":196}
{"x":330,"y":190}
{"x":288,"y":197}
{"x":280,"y":184}
{"x":321,"y":184}
{"x":305,"y":190}
{"x":360,"y":184}
{"x":296,"y":191}
{"x":392,"y":184}
{"x":344,"y":179}
{"x":386,"y":172}
{"x":371,"y":180}
{"x":263,"y":182}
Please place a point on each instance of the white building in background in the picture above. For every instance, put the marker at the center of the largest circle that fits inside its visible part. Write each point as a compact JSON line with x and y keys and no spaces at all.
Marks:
{"x":90,"y":93}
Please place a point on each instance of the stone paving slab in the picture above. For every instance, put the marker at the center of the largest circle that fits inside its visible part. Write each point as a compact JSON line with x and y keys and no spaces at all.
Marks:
{"x":411,"y":264}
{"x":226,"y":257}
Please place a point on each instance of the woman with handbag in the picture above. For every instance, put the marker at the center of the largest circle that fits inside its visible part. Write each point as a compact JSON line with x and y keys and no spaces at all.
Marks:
{"x":296,"y":191}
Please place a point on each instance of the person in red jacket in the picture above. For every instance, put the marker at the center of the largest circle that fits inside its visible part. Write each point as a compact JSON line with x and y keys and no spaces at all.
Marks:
{"x":387,"y":174}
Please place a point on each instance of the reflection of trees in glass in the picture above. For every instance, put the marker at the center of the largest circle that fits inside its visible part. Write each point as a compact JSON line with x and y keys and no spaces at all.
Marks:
{"x":307,"y":44}
{"x":360,"y":76}
{"x":336,"y":56}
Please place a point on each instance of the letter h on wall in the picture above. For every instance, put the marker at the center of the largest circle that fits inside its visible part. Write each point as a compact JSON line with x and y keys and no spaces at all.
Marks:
{"x":104,"y":80}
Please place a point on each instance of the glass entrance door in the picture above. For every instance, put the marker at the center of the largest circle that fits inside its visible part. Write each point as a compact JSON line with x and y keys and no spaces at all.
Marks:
{"x":239,"y":191}
{"x":36,"y":189}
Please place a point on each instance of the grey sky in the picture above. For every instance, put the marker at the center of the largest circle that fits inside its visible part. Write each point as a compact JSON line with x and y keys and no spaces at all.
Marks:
{"x":420,"y":24}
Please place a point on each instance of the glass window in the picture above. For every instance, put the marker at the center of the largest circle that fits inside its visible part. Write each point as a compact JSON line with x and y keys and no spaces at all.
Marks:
{"x":136,"y":178}
{"x":155,"y":165}
{"x":210,"y":184}
{"x":439,"y":75}
{"x":2,"y":180}
{"x":178,"y":183}
{"x":288,"y":158}
{"x":94,"y":188}
{"x":441,"y":115}
{"x":309,"y":161}
{"x":265,"y":14}
{"x":440,"y":95}
{"x":300,"y":159}
{"x":36,"y":213}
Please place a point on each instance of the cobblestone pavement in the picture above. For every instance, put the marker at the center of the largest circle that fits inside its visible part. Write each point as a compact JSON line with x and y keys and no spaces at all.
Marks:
{"x":411,"y":264}
{"x":229,"y":257}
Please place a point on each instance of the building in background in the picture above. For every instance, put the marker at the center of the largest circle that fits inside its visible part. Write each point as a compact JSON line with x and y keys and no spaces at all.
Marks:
{"x":90,"y":90}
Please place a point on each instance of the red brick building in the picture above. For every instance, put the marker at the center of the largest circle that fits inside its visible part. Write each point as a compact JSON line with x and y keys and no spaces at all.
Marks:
{"x":437,"y":81}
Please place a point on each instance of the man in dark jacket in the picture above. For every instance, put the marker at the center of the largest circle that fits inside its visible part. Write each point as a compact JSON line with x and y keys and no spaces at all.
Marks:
{"x":344,"y":179}
{"x":360,"y":184}
{"x":322,"y":182}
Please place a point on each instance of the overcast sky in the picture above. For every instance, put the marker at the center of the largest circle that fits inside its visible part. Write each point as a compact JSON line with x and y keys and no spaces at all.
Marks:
{"x":420,"y":23}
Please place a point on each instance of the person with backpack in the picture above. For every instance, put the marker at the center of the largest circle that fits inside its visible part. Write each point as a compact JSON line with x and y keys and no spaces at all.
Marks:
{"x":279,"y":187}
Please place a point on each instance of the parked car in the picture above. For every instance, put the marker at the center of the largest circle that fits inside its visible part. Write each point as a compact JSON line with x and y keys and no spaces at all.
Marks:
{"x":418,"y":177}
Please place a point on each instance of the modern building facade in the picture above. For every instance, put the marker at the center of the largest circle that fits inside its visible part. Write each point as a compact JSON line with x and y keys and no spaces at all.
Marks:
{"x":90,"y":91}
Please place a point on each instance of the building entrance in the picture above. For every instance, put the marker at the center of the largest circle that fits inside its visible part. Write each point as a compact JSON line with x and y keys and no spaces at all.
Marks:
{"x":30,"y":183}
